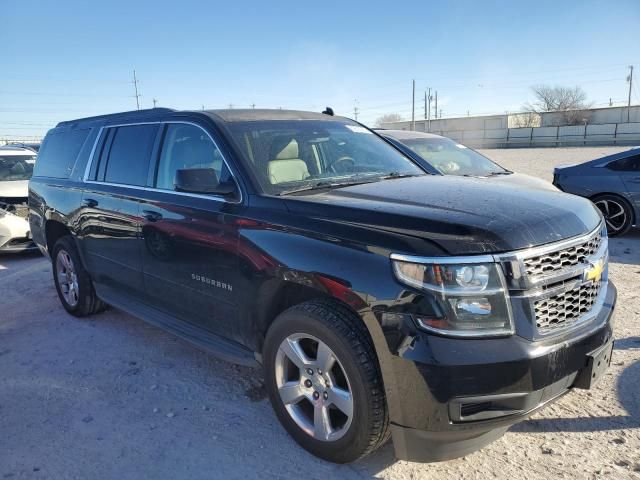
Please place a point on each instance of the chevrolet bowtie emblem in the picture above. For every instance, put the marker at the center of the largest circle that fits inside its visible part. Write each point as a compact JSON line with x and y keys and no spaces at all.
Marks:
{"x":594,"y":271}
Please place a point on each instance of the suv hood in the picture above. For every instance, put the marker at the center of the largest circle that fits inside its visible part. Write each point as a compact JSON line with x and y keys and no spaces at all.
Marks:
{"x":522,"y":180}
{"x":462,"y":215}
{"x":14,"y":189}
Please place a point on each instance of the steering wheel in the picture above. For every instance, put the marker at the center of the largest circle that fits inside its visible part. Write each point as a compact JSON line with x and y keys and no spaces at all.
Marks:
{"x":344,"y":160}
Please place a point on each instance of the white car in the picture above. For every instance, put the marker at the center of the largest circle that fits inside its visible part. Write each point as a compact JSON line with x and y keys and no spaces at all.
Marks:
{"x":16,"y":168}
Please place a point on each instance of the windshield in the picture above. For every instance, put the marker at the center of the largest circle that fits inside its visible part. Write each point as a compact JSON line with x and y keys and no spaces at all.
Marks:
{"x":451,"y":158}
{"x":288,"y":156}
{"x":16,"y":167}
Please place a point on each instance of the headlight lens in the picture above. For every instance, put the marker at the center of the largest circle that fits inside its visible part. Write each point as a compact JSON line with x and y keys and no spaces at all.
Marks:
{"x":472,"y":298}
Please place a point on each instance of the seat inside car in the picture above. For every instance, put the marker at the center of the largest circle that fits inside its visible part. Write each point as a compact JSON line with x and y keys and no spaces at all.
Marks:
{"x":286,"y":166}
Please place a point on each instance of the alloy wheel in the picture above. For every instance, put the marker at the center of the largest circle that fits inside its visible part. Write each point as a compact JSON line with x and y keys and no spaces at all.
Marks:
{"x":67,"y":278}
{"x":314,"y":387}
{"x":614,"y":213}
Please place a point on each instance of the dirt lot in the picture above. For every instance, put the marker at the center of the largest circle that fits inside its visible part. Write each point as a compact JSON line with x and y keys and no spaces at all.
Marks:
{"x":112,"y":397}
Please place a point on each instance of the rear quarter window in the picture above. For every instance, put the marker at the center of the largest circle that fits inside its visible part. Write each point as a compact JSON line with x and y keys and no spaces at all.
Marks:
{"x":628,"y":164}
{"x":59,"y":152}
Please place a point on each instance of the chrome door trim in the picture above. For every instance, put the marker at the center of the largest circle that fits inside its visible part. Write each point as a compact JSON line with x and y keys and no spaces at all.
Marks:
{"x":153,"y":189}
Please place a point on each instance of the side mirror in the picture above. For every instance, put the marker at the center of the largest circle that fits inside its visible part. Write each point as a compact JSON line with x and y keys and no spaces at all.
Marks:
{"x":202,"y":180}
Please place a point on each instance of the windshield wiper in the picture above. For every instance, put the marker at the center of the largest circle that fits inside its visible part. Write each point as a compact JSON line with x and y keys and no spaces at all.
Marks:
{"x":501,"y":172}
{"x":323,"y":185}
{"x":393,"y":175}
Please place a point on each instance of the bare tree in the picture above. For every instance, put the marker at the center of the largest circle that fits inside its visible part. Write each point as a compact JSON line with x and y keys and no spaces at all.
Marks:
{"x":524,"y":120}
{"x":572,"y":102}
{"x":388,"y":118}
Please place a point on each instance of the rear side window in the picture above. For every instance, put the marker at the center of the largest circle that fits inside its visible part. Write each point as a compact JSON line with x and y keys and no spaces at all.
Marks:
{"x":629,"y":164}
{"x":129,"y":153}
{"x":59,"y":152}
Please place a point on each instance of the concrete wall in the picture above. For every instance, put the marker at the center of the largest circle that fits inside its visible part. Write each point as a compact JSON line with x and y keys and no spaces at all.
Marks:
{"x":596,"y":116}
{"x":606,"y":126}
{"x":580,"y":135}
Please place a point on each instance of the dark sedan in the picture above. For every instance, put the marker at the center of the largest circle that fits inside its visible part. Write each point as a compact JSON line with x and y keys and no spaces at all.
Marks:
{"x":442,"y":156}
{"x":611,"y":182}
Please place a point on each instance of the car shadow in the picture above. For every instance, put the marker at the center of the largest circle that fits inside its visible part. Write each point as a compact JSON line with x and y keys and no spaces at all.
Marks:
{"x":629,"y":343}
{"x":13,"y":263}
{"x":626,"y":248}
{"x":627,"y":393}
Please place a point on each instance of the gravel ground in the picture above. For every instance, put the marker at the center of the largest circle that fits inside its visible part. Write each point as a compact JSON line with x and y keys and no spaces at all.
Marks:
{"x":112,"y":397}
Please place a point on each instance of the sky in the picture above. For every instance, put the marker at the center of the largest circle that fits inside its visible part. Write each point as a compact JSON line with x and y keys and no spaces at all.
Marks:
{"x":68,"y":59}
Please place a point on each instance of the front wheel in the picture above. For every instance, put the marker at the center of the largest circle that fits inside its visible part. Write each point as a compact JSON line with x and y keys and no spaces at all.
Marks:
{"x":617,"y":213}
{"x":324,"y":382}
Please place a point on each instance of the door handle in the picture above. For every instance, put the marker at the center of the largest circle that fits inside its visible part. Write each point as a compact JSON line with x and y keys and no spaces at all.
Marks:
{"x":151,"y":216}
{"x":90,"y":202}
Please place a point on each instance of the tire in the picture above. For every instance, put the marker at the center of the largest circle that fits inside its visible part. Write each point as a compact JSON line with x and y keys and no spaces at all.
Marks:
{"x":617,"y":213}
{"x":336,"y":332}
{"x":72,"y":281}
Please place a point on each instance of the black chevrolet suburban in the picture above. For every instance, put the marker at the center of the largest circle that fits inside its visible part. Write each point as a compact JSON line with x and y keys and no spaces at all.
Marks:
{"x":380,"y":300}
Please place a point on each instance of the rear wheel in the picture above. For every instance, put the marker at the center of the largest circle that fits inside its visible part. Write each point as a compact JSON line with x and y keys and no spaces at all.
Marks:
{"x":324,"y":383}
{"x":617,"y":213}
{"x":72,"y":281}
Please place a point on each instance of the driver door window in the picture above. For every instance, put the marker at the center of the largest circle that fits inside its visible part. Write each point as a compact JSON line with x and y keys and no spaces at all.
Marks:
{"x":185,"y":147}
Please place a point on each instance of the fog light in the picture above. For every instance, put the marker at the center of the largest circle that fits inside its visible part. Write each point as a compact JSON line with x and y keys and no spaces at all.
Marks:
{"x":471,"y":306}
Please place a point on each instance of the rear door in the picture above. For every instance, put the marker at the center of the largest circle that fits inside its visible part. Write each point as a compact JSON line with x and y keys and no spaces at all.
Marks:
{"x":631,"y":178}
{"x":189,"y":252}
{"x":628,"y":170}
{"x":109,"y":219}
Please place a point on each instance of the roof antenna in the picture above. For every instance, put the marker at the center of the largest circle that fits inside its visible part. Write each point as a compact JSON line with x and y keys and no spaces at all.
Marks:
{"x":328,"y":111}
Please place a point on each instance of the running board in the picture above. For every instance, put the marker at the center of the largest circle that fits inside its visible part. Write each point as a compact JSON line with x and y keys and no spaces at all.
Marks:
{"x":222,"y":348}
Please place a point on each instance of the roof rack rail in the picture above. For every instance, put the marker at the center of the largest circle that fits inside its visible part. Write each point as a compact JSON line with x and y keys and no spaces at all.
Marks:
{"x":130,"y":114}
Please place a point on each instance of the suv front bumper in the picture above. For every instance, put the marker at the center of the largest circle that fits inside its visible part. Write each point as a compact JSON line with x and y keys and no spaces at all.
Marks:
{"x":463,"y":394}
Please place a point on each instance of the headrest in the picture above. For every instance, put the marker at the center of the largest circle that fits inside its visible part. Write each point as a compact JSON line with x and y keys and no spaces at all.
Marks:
{"x":286,"y":152}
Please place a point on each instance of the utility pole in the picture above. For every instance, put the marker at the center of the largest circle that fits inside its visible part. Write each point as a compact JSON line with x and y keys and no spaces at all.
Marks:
{"x":436,"y":103}
{"x":231,"y":106}
{"x":135,"y":86}
{"x":610,"y":102}
{"x":429,"y":112}
{"x":253,"y":105}
{"x":356,"y":111}
{"x":630,"y":80}
{"x":202,"y":106}
{"x":440,"y":117}
{"x":154,"y":102}
{"x":413,"y":106}
{"x":425,"y":104}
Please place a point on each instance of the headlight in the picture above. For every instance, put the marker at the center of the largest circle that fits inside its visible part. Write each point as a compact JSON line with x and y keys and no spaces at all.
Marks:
{"x":470,"y":292}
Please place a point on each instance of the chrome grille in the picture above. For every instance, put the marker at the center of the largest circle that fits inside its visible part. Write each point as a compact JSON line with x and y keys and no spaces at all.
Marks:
{"x":547,"y":264}
{"x":566,"y":308}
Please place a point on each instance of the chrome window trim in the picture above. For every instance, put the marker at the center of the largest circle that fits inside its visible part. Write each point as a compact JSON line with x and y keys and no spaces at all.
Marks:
{"x":153,"y":189}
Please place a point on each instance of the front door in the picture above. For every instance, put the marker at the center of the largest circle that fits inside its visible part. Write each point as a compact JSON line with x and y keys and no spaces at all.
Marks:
{"x":189,"y":253}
